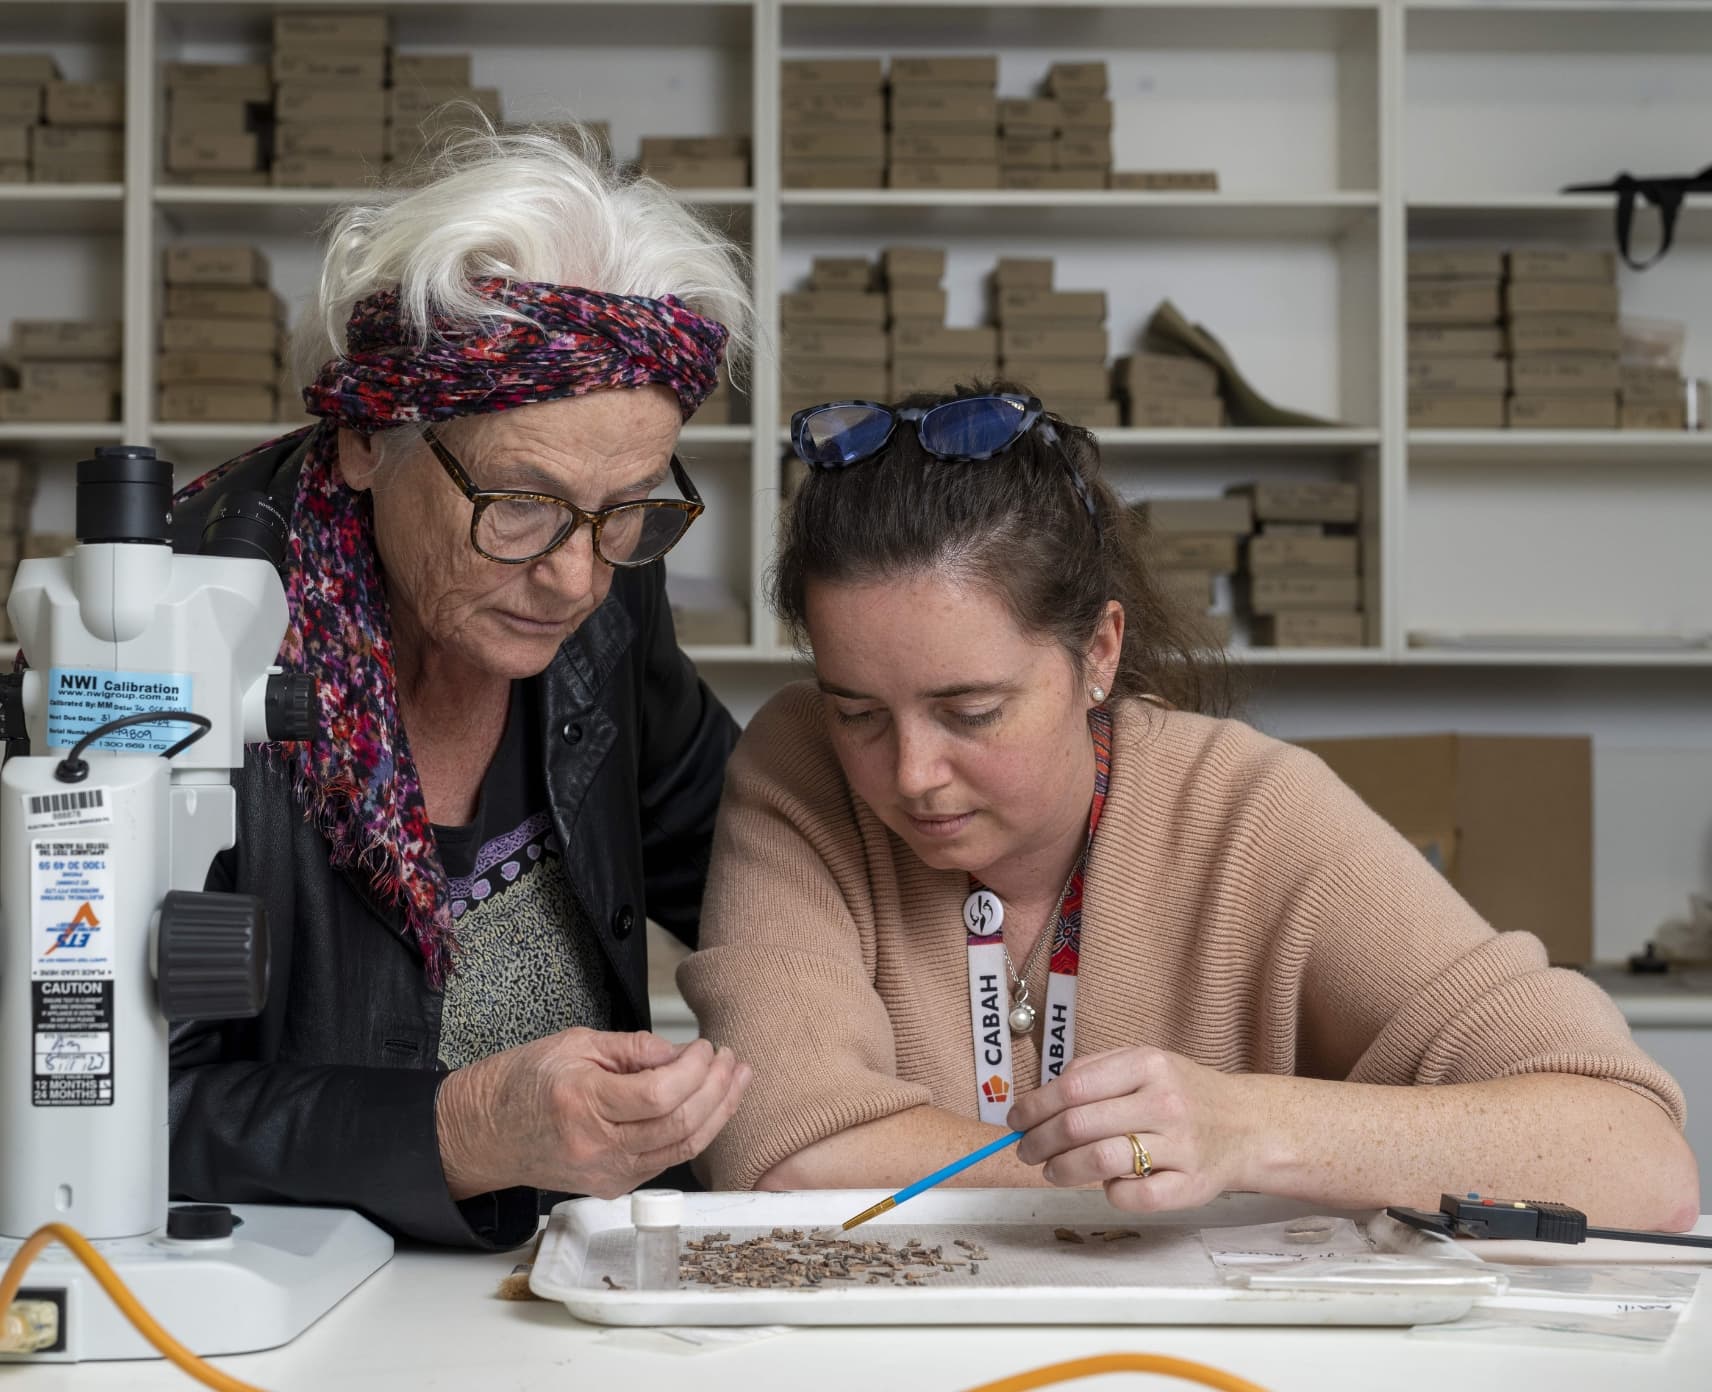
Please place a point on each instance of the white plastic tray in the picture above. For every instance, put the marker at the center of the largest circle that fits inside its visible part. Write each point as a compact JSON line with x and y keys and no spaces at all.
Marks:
{"x":1164,"y":1277}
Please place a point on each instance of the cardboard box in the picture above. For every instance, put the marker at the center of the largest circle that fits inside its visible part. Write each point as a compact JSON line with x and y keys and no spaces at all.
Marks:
{"x":1082,"y":152}
{"x":14,"y":172}
{"x":1086,"y":180}
{"x":1309,"y":628}
{"x":293,"y":28}
{"x":1052,"y":341}
{"x":1028,"y":115}
{"x":1562,"y":333}
{"x":834,"y":108}
{"x":832,"y":72}
{"x":220,"y":264}
{"x":912,"y":265}
{"x":1188,"y":589}
{"x":1047,"y":376}
{"x":42,"y":545}
{"x":971,"y":71}
{"x":20,"y":405}
{"x":833,"y":146}
{"x":1439,"y":341}
{"x":1023,"y":273}
{"x":215,"y":178}
{"x":1165,"y":374}
{"x":20,"y":105}
{"x":216,"y":403}
{"x":1653,"y":415}
{"x":251,"y":81}
{"x":1599,"y":267}
{"x":312,"y":171}
{"x":1089,"y":414}
{"x":66,"y":340}
{"x":1457,"y":376}
{"x":819,"y":308}
{"x":854,"y":273}
{"x":224,"y":302}
{"x":1176,"y":413}
{"x":1085,"y":115}
{"x":1333,"y":503}
{"x":411,"y":106}
{"x":934,"y":147}
{"x":1650,"y":386}
{"x":711,"y":627}
{"x":1018,"y":153}
{"x":1077,"y":80}
{"x":1563,"y":412}
{"x":835,"y":382}
{"x":1199,"y":517}
{"x":1061,"y":308}
{"x":431,"y":69}
{"x":232,"y":369}
{"x":915,"y":304}
{"x":1284,"y":554}
{"x":84,"y":103}
{"x":1522,"y":298}
{"x":1164,"y":180}
{"x":220,"y":335}
{"x":312,"y":106}
{"x":692,"y":147}
{"x":1552,"y":374}
{"x":1462,"y":263}
{"x":192,"y":113}
{"x":943,"y":176}
{"x":329,"y":67}
{"x":86,"y":142}
{"x":205,"y":151}
{"x":838,"y":343}
{"x":15,"y":143}
{"x":1216,"y":554}
{"x":913,"y":374}
{"x":938,"y":341}
{"x":944,"y":108}
{"x":70,"y":378}
{"x":805,"y":174}
{"x":1457,"y":412}
{"x":78,"y":169}
{"x":1511,"y":816}
{"x":1280,"y":594}
{"x":699,"y":173}
{"x":1454,"y":302}
{"x":29,"y":68}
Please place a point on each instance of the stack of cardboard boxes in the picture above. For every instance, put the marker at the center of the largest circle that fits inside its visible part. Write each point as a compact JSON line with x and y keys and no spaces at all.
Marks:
{"x":1053,"y":341}
{"x":926,"y":354}
{"x":82,"y":138}
{"x":1458,"y":375}
{"x":221,"y":336}
{"x":944,"y":123}
{"x":216,"y":115}
{"x":1561,"y":312}
{"x":1167,"y":391}
{"x":15,"y":490}
{"x":1062,"y":140}
{"x":67,"y":370}
{"x":432,"y":96}
{"x":697,"y":161}
{"x":23,"y":79}
{"x":833,"y":123}
{"x":330,"y":100}
{"x":1301,"y":586}
{"x":1192,"y":552}
{"x":835,"y":344}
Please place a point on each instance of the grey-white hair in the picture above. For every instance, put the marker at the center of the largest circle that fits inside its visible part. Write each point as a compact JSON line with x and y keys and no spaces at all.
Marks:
{"x":541,"y":204}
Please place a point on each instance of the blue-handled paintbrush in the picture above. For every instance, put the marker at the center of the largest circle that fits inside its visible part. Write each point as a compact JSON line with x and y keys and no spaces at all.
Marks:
{"x":937,"y":1177}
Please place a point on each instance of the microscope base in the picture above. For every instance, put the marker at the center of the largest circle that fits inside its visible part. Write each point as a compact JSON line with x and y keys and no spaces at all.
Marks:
{"x":261,"y":1287}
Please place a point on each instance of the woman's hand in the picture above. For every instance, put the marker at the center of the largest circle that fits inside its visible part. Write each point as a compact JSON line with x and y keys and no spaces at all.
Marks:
{"x":584,"y":1112}
{"x":1193,"y":1120}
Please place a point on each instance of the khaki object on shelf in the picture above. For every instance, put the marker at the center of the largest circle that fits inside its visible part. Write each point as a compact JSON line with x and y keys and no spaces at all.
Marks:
{"x":1048,"y":377}
{"x":838,"y":146}
{"x":20,"y":104}
{"x":1085,"y":116}
{"x":66,"y":340}
{"x":39,"y":406}
{"x":195,"y":112}
{"x":1554,"y":374}
{"x":217,"y":368}
{"x":84,"y":103}
{"x":371,"y":29}
{"x":229,"y":263}
{"x":1308,"y":628}
{"x":1198,"y":517}
{"x":224,"y":302}
{"x":693,"y":147}
{"x":1165,"y":180}
{"x":251,"y":81}
{"x":1454,"y":302}
{"x":1018,"y":153}
{"x":1461,"y":263}
{"x":409,"y":106}
{"x":1168,"y":331}
{"x":1653,"y":415}
{"x":1176,"y":413}
{"x":1164,"y":374}
{"x":801,"y":174}
{"x":1066,"y":180}
{"x":1082,"y":152}
{"x":950,"y":109}
{"x":912,"y":374}
{"x":1087,"y":413}
{"x":1563,"y":333}
{"x":327,"y":67}
{"x":1587,"y":298}
{"x":15,"y":143}
{"x":912,"y":265}
{"x":1179,"y":551}
{"x":940,"y":341}
{"x":1279,"y":594}
{"x":1023,"y":273}
{"x":210,"y":152}
{"x":808,"y":343}
{"x":14,"y":172}
{"x":220,"y":336}
{"x":1089,"y":79}
{"x":1572,"y":265}
{"x":1188,"y":589}
{"x":1455,"y":341}
{"x":1485,"y":412}
{"x":699,"y":173}
{"x":297,"y":105}
{"x":1563,"y":412}
{"x":855,"y":273}
{"x":1332,"y":503}
{"x":217,"y":403}
{"x":1284,"y":554}
{"x":1651,"y":386}
{"x":70,"y":378}
{"x":942,"y":147}
{"x":917,"y":304}
{"x":820,"y":308}
{"x":32,"y":68}
{"x":312,"y":171}
{"x":1060,"y":308}
{"x":1457,"y":376}
{"x":834,"y":108}
{"x":973,"y":70}
{"x":431,"y":69}
{"x":950,"y":175}
{"x":1082,"y":343}
{"x":800,"y":73}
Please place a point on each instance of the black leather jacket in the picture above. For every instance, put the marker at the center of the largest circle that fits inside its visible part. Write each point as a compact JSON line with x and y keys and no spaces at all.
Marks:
{"x":328,"y":1096}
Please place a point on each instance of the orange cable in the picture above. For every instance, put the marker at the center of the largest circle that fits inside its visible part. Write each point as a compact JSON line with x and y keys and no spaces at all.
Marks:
{"x":121,"y":1295}
{"x":1184,"y":1368}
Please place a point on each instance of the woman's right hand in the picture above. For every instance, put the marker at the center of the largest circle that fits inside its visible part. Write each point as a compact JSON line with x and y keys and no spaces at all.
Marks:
{"x":583,"y":1112}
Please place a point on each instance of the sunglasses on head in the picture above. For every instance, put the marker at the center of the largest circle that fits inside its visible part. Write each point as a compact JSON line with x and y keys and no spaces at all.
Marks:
{"x":966,"y":430}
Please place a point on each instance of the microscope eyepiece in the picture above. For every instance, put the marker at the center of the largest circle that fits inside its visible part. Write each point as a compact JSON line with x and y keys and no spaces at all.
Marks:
{"x":247,"y":526}
{"x":124,"y":494}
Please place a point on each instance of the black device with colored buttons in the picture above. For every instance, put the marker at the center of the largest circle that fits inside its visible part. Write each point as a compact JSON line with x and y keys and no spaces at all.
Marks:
{"x":1525,"y":1220}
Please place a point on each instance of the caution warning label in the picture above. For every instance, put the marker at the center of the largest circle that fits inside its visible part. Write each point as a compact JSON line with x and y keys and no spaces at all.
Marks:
{"x":73,"y":1022}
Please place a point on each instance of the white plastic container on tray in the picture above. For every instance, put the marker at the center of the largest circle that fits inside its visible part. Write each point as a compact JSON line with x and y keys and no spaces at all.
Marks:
{"x":1163,"y":1276}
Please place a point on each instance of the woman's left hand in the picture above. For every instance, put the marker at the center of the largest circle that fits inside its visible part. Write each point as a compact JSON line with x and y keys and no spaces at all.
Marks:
{"x":1193,"y":1121}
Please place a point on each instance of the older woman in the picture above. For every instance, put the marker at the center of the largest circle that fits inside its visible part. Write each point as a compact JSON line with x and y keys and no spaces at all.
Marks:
{"x":517,"y":761}
{"x":999,"y":865}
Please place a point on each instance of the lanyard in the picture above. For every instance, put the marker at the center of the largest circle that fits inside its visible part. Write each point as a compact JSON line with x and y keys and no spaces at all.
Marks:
{"x":989,"y":986}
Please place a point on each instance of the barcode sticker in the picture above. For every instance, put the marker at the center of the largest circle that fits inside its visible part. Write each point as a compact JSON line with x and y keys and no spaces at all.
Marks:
{"x":78,"y":807}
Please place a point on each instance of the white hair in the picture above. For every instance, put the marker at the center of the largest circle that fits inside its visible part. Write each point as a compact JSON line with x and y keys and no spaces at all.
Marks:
{"x":538,"y":204}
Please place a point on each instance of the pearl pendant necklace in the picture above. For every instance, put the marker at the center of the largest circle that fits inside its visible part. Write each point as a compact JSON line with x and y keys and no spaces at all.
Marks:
{"x":1022,"y":1013}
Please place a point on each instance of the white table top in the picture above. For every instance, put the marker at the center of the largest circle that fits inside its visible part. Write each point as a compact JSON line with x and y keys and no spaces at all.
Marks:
{"x":430,"y":1320}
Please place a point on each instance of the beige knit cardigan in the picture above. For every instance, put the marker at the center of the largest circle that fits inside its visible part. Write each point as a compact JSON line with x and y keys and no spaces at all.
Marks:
{"x":1243,"y":908}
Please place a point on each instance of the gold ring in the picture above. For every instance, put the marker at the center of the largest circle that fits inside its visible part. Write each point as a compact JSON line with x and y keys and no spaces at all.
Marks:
{"x":1143,"y":1161}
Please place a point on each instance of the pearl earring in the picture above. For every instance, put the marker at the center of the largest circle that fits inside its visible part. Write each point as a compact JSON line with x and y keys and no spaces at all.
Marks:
{"x":1098,"y":693}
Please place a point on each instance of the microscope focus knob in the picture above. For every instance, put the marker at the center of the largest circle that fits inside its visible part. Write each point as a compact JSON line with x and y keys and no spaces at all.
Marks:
{"x":291,"y":706}
{"x":212,"y":958}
